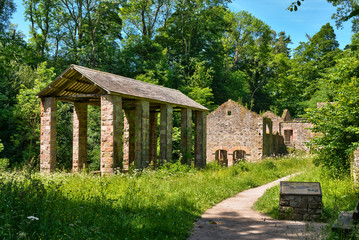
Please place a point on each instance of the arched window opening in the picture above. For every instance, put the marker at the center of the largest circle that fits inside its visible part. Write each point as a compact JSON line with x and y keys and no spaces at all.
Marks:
{"x":239,"y":155}
{"x":221,"y":157}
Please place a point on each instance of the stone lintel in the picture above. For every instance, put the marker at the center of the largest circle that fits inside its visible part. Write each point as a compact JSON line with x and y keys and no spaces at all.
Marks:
{"x":48,"y":135}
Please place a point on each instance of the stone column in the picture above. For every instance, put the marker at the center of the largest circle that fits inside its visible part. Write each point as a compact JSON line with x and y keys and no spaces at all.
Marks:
{"x":142,"y":129}
{"x":129,"y":138}
{"x":153,"y":138}
{"x":48,"y":135}
{"x":166,"y":130}
{"x":186,"y":135}
{"x":355,"y":167}
{"x":111,"y":133}
{"x":79,"y":148}
{"x":200,"y":139}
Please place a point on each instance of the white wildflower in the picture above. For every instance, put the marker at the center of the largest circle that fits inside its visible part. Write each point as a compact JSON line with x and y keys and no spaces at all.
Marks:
{"x":32,"y":218}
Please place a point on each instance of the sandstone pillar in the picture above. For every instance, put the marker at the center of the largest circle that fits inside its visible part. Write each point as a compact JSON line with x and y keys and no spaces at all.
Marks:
{"x":355,"y":167}
{"x":79,"y":148}
{"x":153,"y":138}
{"x":48,"y":135}
{"x":129,"y":138}
{"x":186,"y":135}
{"x":200,"y":139}
{"x":166,"y":130}
{"x":142,"y":150}
{"x":111,"y":133}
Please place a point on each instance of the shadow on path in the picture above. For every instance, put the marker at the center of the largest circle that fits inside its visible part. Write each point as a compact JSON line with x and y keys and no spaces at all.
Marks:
{"x":234,"y":218}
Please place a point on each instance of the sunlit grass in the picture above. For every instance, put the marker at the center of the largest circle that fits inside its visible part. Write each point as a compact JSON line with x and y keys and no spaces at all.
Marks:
{"x":338,"y":195}
{"x":159,"y":204}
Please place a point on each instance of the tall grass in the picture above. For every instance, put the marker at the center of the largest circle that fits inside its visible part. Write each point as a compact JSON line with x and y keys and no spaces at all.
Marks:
{"x":159,"y":204}
{"x":338,"y":195}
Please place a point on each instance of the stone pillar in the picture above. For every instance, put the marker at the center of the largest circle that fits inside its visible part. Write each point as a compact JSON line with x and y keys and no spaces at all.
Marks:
{"x":200,"y":139}
{"x":153,"y":138}
{"x":142,"y":129}
{"x":79,"y":147}
{"x":355,"y":167}
{"x":186,"y":135}
{"x":111,"y":133}
{"x":166,"y":130}
{"x":48,"y":135}
{"x":129,"y":138}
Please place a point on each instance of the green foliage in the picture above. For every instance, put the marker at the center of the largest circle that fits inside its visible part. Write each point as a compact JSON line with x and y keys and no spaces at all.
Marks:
{"x":337,"y":123}
{"x":150,"y":204}
{"x":4,"y":162}
{"x":27,"y":111}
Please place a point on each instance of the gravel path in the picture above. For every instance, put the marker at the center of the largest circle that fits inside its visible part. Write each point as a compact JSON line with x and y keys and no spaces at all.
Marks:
{"x":234,"y":218}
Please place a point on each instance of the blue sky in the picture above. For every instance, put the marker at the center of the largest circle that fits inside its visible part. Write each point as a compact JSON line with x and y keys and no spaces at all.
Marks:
{"x":307,"y":20}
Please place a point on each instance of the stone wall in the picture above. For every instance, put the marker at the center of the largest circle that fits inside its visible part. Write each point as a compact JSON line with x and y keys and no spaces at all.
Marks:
{"x":267,"y":137}
{"x":233,"y":127}
{"x":275,"y":119}
{"x":301,"y":134}
{"x":300,"y":207}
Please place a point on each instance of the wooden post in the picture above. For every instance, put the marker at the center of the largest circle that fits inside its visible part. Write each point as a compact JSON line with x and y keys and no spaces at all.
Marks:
{"x":200,"y":139}
{"x":142,"y":149}
{"x":79,"y":148}
{"x":153,"y":138}
{"x":48,"y":135}
{"x":186,"y":135}
{"x":111,"y":133}
{"x":166,"y":130}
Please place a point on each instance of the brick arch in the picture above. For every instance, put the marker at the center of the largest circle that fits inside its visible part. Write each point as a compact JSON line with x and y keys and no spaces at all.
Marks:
{"x":241,"y":148}
{"x":214,"y":149}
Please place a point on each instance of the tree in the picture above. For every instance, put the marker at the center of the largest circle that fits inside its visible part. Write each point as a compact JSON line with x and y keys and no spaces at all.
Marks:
{"x":337,"y":124}
{"x":7,"y":8}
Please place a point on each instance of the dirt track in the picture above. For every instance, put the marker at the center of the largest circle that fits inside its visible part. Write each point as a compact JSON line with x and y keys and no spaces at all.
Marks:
{"x":234,"y":218}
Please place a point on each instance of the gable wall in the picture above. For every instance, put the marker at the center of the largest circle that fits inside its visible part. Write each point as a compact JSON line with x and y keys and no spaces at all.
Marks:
{"x":242,"y":130}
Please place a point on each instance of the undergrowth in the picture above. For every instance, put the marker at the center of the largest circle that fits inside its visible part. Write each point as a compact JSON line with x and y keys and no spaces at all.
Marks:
{"x":160,"y":204}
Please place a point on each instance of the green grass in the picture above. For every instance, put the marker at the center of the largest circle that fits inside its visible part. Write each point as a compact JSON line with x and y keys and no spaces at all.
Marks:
{"x":159,"y":204}
{"x":338,"y":195}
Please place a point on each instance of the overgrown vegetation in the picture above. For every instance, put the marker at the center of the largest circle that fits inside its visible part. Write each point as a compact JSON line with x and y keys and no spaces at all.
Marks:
{"x":159,"y":204}
{"x":338,"y":195}
{"x":200,"y":47}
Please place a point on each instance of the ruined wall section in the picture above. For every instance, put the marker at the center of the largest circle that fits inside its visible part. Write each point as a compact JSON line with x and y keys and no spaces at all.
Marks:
{"x":301,"y":133}
{"x":233,"y":127}
{"x":275,"y":119}
{"x":267,"y":137}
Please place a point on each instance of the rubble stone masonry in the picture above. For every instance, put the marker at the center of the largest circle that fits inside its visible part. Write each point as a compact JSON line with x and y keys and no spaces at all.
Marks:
{"x":233,"y":127}
{"x":48,"y":135}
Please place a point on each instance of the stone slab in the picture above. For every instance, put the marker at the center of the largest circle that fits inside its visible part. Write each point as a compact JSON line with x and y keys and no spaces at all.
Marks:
{"x":300,"y":188}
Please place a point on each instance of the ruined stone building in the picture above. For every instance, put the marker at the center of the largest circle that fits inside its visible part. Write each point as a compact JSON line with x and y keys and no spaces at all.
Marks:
{"x":141,"y":103}
{"x":235,"y":133}
{"x":295,"y":132}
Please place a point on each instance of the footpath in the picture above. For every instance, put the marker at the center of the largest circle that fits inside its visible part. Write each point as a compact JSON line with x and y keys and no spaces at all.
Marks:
{"x":234,"y":218}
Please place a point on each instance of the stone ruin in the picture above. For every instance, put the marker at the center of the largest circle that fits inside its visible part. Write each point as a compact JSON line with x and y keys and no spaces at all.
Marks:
{"x":235,"y":133}
{"x":129,"y":116}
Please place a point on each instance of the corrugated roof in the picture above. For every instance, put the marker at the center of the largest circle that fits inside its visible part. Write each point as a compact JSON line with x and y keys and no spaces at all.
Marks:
{"x":77,"y":80}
